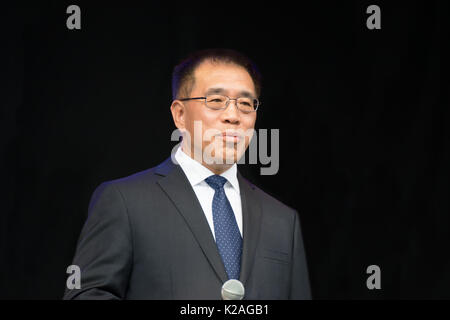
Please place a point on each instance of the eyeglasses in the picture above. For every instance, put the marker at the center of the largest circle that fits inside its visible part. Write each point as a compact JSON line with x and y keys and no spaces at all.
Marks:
{"x":219,"y":102}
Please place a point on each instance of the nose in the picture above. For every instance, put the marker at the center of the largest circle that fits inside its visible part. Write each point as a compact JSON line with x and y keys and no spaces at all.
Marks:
{"x":231,"y":114}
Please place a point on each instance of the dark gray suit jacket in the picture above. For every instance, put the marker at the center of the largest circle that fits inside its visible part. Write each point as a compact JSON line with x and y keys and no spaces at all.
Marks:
{"x":146,"y":237}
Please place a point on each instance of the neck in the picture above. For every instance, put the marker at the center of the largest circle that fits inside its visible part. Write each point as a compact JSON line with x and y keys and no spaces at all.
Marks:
{"x":218,"y":169}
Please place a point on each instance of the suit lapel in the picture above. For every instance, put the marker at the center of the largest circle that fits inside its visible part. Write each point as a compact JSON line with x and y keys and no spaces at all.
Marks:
{"x":177,"y":187}
{"x":251,"y":213}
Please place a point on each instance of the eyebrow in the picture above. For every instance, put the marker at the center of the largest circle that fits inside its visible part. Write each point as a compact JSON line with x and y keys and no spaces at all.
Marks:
{"x":243,"y":93}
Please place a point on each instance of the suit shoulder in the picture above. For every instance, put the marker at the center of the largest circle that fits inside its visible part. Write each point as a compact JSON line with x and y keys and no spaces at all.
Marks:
{"x":138,"y":180}
{"x":269,"y":202}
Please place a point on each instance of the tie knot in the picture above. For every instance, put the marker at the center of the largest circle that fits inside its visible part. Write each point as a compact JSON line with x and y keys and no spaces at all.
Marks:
{"x":216,"y":182}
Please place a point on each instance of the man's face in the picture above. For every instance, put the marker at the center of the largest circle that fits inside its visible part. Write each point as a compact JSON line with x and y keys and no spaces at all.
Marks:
{"x":225,"y":134}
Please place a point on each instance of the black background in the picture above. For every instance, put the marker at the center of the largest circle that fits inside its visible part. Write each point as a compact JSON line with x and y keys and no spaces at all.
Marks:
{"x":363,"y":118}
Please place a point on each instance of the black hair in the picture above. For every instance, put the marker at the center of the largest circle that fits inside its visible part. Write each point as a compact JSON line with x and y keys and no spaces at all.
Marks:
{"x":183,"y":74}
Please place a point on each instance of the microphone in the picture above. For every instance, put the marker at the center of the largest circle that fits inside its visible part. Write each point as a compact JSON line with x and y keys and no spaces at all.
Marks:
{"x":233,"y":290}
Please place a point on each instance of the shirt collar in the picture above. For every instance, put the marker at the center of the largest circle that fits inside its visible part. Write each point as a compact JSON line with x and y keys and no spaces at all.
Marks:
{"x":196,"y":172}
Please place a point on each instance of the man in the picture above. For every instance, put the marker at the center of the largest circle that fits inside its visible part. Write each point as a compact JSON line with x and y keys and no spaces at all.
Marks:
{"x":183,"y":228}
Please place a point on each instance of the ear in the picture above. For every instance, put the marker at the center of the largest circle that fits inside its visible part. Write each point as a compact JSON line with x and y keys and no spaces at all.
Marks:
{"x":178,"y":110}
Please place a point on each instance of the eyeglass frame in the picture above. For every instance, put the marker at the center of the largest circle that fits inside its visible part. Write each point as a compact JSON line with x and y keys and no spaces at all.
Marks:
{"x":258,"y":103}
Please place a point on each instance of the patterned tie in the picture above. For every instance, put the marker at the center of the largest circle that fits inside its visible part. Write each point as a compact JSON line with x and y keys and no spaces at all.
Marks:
{"x":228,"y":237}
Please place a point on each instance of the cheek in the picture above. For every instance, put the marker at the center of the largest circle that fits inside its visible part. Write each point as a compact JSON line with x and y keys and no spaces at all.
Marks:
{"x":207,"y":119}
{"x":197,"y":119}
{"x":210,"y":123}
{"x":249,"y":123}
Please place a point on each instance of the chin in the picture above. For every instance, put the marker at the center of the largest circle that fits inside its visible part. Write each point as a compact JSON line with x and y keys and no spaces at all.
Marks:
{"x":224,"y":154}
{"x":221,"y":160}
{"x":229,"y":155}
{"x":229,"y":161}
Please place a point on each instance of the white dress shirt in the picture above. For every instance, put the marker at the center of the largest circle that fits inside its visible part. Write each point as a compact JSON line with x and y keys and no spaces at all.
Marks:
{"x":196,"y":173}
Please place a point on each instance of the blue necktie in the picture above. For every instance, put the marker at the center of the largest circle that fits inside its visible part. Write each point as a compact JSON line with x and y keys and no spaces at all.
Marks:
{"x":228,"y":237}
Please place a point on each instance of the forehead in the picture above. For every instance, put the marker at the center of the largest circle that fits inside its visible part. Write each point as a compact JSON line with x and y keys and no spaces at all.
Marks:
{"x":227,"y":76}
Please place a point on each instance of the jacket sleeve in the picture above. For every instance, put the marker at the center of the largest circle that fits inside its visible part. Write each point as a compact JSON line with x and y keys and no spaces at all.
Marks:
{"x":104,"y":250}
{"x":300,"y":287}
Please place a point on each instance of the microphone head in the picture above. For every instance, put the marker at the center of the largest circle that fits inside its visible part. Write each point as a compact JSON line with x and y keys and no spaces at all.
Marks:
{"x":233,"y":290}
